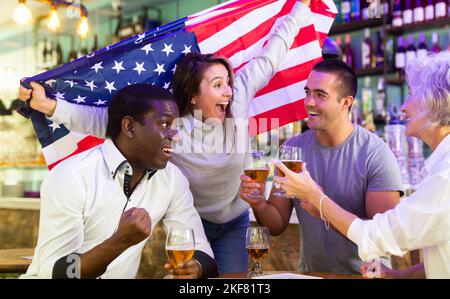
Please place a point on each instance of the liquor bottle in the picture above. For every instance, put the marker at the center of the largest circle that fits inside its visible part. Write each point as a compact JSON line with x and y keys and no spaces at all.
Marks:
{"x":95,"y":46}
{"x":400,"y":56}
{"x":339,"y":42}
{"x":448,"y":41}
{"x":435,"y":48}
{"x":346,"y":11}
{"x":379,"y":53}
{"x":419,"y":12}
{"x":48,"y":53}
{"x":339,"y":8}
{"x":366,"y":50}
{"x":440,"y":9}
{"x":422,"y":50}
{"x":356,"y":10}
{"x":386,"y":7}
{"x":380,"y":112}
{"x":407,"y":13}
{"x":397,"y":19}
{"x":347,"y":55}
{"x":410,"y":49}
{"x":367,"y":97}
{"x":390,"y":52}
{"x":58,"y":54}
{"x":429,"y":10}
{"x":365,"y":10}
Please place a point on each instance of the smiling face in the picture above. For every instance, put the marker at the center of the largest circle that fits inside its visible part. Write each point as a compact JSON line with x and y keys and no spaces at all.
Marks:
{"x":153,"y":135}
{"x":214,"y":93}
{"x":322,"y":101}
{"x":416,"y":118}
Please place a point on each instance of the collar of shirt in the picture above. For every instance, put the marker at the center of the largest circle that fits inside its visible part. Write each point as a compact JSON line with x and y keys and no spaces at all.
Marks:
{"x":117,"y":163}
{"x":438,"y":154}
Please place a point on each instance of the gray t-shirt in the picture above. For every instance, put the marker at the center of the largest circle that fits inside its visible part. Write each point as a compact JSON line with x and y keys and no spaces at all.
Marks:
{"x":363,"y":162}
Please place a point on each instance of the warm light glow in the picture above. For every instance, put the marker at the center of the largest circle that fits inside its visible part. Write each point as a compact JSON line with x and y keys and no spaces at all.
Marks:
{"x":53,"y":20}
{"x":83,"y":27}
{"x":22,"y":15}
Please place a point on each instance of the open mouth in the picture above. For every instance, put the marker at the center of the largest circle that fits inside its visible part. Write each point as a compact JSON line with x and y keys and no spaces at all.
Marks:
{"x":313,"y":114}
{"x":167,"y":151}
{"x":222,"y":106}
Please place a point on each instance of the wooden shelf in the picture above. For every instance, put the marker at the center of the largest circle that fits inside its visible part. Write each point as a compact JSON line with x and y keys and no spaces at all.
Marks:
{"x":354,"y":26}
{"x":379,"y":70}
{"x":418,"y":26}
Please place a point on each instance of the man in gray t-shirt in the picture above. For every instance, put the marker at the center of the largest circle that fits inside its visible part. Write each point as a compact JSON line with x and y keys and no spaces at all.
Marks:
{"x":353,"y":166}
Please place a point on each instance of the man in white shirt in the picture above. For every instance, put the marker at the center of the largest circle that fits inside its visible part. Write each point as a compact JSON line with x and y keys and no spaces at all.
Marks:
{"x":99,"y":207}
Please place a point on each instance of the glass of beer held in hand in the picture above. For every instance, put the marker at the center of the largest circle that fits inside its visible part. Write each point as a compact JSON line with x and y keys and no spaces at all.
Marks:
{"x":257,"y":169}
{"x":180,"y":245}
{"x":257,"y":245}
{"x":291,"y":156}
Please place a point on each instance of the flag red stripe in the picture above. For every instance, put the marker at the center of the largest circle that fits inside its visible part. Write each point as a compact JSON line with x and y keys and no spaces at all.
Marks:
{"x":289,"y":113}
{"x":209,"y":27}
{"x":289,"y":76}
{"x":83,"y":145}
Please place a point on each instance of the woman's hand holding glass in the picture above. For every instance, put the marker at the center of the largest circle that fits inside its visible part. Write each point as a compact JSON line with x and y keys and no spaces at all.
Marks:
{"x":299,"y":185}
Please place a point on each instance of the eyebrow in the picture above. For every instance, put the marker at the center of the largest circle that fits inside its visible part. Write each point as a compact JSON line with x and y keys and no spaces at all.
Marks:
{"x":218,"y":77}
{"x":317,"y":90}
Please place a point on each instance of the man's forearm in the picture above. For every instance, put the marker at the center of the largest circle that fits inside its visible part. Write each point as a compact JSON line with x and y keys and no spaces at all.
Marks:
{"x":92,"y":263}
{"x":268,"y":215}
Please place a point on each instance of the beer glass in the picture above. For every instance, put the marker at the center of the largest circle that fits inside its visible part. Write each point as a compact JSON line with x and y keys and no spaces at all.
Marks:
{"x":257,"y":245}
{"x":257,"y":168}
{"x":291,"y":156}
{"x":180,"y":245}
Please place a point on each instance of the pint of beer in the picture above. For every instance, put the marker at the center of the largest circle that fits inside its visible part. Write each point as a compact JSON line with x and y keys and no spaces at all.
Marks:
{"x":180,"y":245}
{"x":295,"y":166}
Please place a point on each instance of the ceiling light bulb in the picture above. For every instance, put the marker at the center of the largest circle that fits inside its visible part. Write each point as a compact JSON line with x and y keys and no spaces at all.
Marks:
{"x":53,"y":20}
{"x":83,"y":27}
{"x":22,"y":14}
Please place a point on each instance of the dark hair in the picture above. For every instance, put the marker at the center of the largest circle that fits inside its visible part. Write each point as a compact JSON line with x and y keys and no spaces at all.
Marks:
{"x":189,"y":75}
{"x":135,"y":100}
{"x":349,"y":82}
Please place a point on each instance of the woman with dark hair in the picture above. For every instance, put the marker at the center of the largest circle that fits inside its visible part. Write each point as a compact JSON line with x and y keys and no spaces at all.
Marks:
{"x":213,"y":102}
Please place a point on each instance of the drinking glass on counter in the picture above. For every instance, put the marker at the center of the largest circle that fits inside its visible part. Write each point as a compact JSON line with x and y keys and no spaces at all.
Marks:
{"x":257,"y":245}
{"x":291,"y":156}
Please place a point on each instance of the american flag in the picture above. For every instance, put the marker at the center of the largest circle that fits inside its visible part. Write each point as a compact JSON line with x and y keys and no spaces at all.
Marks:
{"x":237,"y":29}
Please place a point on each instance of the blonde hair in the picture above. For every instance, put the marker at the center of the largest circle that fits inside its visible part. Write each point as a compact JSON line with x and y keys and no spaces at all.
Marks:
{"x":429,"y":82}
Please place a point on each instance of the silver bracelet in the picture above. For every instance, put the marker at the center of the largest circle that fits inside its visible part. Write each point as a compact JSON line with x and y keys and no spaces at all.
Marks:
{"x":327,"y":224}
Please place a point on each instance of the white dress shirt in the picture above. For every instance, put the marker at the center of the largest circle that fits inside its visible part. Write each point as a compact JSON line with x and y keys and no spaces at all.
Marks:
{"x":422,"y":221}
{"x":83,"y":199}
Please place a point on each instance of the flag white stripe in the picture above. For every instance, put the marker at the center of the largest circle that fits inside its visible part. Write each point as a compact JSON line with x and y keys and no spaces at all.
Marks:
{"x":249,"y":53}
{"x":240,"y":27}
{"x":301,"y":55}
{"x":277,"y":98}
{"x":216,"y":7}
{"x":60,"y":149}
{"x":322,"y":23}
{"x":331,"y":6}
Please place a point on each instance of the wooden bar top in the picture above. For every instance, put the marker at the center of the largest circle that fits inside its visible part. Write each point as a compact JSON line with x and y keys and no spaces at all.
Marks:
{"x":14,"y":261}
{"x":243,"y":275}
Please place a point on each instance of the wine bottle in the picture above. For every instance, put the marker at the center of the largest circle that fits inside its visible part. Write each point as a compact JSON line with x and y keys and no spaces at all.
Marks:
{"x":379,"y":53}
{"x":367,"y":97}
{"x":419,"y":12}
{"x":339,"y":8}
{"x":397,"y":19}
{"x":347,"y":55}
{"x":436,"y":48}
{"x":429,"y":10}
{"x":422,"y":50}
{"x":407,"y":13}
{"x":365,"y":10}
{"x":410,"y":49}
{"x":366,"y":50}
{"x":346,"y":11}
{"x":95,"y":46}
{"x":380,"y":113}
{"x":440,"y":9}
{"x":400,"y":56}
